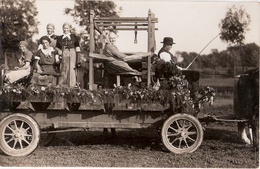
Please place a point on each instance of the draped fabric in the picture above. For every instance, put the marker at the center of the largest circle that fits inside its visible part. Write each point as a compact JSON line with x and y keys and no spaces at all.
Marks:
{"x":15,"y":75}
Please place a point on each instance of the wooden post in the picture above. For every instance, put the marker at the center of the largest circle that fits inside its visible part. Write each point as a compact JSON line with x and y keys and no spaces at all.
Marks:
{"x":149,"y":48}
{"x":118,"y":80}
{"x":91,"y":50}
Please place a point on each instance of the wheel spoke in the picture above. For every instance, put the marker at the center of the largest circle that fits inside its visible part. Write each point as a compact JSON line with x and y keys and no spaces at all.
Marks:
{"x":180,"y":142}
{"x":188,"y":137}
{"x":187,"y":145}
{"x":22,"y":125}
{"x":9,"y":134}
{"x":172,"y":134}
{"x":11,"y":139}
{"x":21,"y":145}
{"x":191,"y":132}
{"x":173,"y":129}
{"x":15,"y":142}
{"x":26,"y":141}
{"x":177,"y":124}
{"x":174,"y":140}
{"x":189,"y":126}
{"x":27,"y":128}
{"x":28,"y":135}
{"x":15,"y":124}
{"x":10,"y":128}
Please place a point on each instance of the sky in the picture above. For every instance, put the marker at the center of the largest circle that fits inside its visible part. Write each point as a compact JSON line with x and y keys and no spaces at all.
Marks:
{"x":192,"y":24}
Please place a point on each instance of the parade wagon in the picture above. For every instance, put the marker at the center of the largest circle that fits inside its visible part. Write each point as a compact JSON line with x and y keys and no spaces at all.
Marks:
{"x":30,"y":111}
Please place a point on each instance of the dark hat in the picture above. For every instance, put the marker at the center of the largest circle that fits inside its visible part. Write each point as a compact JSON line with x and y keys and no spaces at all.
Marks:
{"x":45,"y":38}
{"x":168,"y":41}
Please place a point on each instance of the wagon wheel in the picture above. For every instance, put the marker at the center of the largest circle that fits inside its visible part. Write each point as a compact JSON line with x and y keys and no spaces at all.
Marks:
{"x":20,"y":134}
{"x":40,"y":106}
{"x":73,"y":106}
{"x":182,"y":133}
{"x":46,"y":138}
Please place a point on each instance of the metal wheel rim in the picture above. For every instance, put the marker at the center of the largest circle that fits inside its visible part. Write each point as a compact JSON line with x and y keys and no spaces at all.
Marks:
{"x":182,"y":134}
{"x":20,"y":136}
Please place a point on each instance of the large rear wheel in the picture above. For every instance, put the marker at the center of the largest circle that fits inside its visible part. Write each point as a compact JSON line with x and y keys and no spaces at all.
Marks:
{"x":20,"y":135}
{"x":182,"y":133}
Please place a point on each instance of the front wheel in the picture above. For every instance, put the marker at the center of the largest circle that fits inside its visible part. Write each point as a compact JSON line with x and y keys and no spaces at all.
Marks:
{"x":20,"y":135}
{"x":182,"y":133}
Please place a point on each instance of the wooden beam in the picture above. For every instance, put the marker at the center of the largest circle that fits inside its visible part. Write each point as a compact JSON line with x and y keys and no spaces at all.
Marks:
{"x":127,"y":29}
{"x":149,"y":48}
{"x":120,"y":24}
{"x":91,"y":50}
{"x":124,"y":19}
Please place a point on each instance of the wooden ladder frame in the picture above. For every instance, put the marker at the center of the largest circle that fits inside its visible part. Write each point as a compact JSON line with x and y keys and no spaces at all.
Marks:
{"x":125,"y":24}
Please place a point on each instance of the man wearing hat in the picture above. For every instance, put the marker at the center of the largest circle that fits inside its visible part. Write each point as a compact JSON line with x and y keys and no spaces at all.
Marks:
{"x":167,"y":56}
{"x":164,"y":52}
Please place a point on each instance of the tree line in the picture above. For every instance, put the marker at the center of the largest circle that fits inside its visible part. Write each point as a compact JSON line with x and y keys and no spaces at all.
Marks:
{"x":235,"y":56}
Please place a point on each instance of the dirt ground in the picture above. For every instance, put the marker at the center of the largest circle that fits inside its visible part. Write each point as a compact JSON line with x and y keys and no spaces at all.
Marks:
{"x":221,"y":148}
{"x":137,"y":148}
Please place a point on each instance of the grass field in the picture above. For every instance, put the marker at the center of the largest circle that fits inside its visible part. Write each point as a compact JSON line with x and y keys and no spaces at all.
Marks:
{"x":217,"y":82}
{"x":222,"y":86}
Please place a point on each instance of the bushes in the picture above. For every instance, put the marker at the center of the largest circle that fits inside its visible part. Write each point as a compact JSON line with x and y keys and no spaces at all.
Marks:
{"x":222,"y":86}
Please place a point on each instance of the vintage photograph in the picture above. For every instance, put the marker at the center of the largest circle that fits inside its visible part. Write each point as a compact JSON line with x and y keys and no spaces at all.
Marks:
{"x":129,"y":83}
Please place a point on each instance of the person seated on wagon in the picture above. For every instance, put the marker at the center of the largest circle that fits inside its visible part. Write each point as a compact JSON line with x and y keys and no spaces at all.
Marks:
{"x":167,"y":62}
{"x":46,"y":64}
{"x":165,"y":55}
{"x":23,"y":68}
{"x":118,"y":65}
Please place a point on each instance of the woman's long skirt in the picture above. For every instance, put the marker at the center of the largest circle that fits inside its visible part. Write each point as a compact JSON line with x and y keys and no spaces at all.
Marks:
{"x":68,"y":68}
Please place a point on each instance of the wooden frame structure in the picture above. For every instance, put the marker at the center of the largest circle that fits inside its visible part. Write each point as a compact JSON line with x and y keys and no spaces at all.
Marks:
{"x":124,"y":24}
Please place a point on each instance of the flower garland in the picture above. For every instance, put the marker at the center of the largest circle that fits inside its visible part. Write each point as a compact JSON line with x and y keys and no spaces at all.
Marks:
{"x":178,"y":95}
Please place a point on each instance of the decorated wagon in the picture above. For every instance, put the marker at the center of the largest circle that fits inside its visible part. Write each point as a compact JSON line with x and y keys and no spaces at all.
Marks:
{"x":28,"y":111}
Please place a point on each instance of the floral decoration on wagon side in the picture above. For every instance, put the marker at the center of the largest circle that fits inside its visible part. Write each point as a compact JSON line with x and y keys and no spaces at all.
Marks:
{"x":177,"y":94}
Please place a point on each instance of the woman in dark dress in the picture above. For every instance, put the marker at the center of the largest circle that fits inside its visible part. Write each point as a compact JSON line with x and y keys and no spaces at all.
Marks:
{"x":46,"y":64}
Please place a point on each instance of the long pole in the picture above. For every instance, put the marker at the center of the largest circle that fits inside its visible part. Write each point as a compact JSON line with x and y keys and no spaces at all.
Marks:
{"x":201,"y":51}
{"x":91,"y":50}
{"x":149,"y":48}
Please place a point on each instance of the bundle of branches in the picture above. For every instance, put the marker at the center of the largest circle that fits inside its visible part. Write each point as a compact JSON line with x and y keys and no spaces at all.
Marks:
{"x":165,"y":69}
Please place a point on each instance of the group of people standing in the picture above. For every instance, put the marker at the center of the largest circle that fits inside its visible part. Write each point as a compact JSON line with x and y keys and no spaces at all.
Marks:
{"x":55,"y":56}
